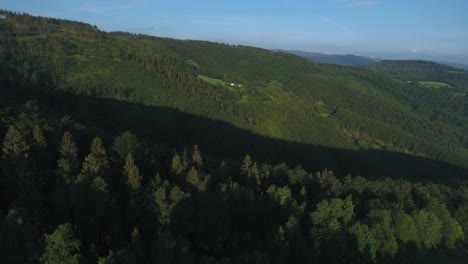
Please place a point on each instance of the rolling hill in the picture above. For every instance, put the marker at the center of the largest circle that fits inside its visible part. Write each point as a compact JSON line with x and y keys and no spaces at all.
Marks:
{"x":271,"y":94}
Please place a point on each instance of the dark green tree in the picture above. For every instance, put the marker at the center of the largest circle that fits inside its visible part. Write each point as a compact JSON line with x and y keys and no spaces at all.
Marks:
{"x":125,"y":143}
{"x":132,"y":173}
{"x":165,"y":199}
{"x":39,"y":138}
{"x":197,"y":157}
{"x":383,"y":231}
{"x":67,"y":164}
{"x":429,"y":229}
{"x":177,"y":166}
{"x":15,"y":145}
{"x":61,"y":247}
{"x":96,"y":163}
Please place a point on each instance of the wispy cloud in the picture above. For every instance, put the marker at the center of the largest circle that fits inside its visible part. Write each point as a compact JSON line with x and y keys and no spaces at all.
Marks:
{"x":97,"y":8}
{"x":357,"y":3}
{"x":336,"y":24}
{"x":280,"y":33}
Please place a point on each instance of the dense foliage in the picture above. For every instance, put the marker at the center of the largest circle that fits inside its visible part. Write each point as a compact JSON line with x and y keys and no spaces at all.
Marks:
{"x":100,"y":163}
{"x":73,"y":199}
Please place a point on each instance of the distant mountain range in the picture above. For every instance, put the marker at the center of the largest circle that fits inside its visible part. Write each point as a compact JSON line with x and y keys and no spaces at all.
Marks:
{"x":346,"y":60}
{"x":350,"y":59}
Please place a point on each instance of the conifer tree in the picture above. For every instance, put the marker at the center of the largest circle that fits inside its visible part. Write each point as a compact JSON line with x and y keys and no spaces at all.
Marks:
{"x":246,"y":164}
{"x":67,"y":164}
{"x":177,"y":167}
{"x":132,"y":173}
{"x":67,"y":148}
{"x":196,"y":157}
{"x":193,"y":178}
{"x":61,"y":247}
{"x":39,"y":138}
{"x":17,"y":181}
{"x":14,"y":144}
{"x":125,"y":143}
{"x":96,"y":163}
{"x":67,"y":170}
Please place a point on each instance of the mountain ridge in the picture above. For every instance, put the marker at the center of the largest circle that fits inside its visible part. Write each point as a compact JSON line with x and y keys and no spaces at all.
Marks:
{"x":357,"y":60}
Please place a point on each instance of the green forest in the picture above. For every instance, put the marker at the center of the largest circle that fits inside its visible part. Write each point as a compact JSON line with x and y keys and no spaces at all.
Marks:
{"x":127,"y":148}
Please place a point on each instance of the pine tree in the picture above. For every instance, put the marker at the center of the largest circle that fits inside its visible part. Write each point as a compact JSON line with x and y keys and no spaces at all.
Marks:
{"x":17,"y":181}
{"x":67,"y":148}
{"x":193,"y":178}
{"x":39,"y":138}
{"x":67,"y":164}
{"x":125,"y":143}
{"x":246,"y":165}
{"x":67,"y":170}
{"x":132,"y":173}
{"x":196,"y":157}
{"x":15,"y":145}
{"x":61,"y":247}
{"x":96,"y":163}
{"x":177,"y":167}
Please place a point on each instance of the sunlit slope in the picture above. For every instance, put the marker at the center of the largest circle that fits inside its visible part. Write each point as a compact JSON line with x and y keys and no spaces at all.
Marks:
{"x":270,"y":93}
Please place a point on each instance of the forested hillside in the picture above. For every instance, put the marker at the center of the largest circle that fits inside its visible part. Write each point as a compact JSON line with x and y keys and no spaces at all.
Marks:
{"x":124,"y":148}
{"x":422,"y":71}
{"x":271,"y":94}
{"x":85,"y":197}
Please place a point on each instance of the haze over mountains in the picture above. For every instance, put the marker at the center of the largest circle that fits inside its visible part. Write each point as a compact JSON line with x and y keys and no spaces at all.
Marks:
{"x":350,"y":59}
{"x":347,"y":60}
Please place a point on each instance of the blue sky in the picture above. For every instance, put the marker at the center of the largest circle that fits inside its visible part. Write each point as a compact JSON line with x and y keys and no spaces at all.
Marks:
{"x":397,"y":29}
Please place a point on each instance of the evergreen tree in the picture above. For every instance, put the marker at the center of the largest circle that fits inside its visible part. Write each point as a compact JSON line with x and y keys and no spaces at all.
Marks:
{"x":61,"y":247}
{"x":15,"y":145}
{"x":67,"y":164}
{"x":136,"y":247}
{"x":39,"y":138}
{"x":125,"y":143}
{"x":96,"y":163}
{"x":67,"y":148}
{"x":196,"y":157}
{"x":246,"y":165}
{"x":193,"y":178}
{"x":165,"y":199}
{"x":67,"y":170}
{"x":18,"y":182}
{"x":132,"y":173}
{"x":177,"y":167}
